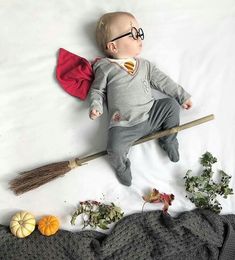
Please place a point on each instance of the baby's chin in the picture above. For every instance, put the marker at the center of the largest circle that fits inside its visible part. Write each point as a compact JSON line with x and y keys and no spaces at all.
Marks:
{"x":128,"y":55}
{"x":140,"y":49}
{"x":138,"y":53}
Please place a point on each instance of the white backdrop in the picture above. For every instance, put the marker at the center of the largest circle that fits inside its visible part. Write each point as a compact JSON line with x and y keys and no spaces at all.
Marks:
{"x":192,"y":41}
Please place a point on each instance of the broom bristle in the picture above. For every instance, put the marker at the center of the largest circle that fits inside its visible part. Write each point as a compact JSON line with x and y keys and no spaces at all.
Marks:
{"x":32,"y":179}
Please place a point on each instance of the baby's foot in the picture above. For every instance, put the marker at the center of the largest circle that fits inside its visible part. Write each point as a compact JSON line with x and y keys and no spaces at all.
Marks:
{"x":172,"y":151}
{"x":125,"y":177}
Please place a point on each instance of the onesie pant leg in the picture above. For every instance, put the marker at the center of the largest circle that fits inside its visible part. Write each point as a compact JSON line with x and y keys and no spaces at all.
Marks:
{"x":120,"y":139}
{"x":163,"y":115}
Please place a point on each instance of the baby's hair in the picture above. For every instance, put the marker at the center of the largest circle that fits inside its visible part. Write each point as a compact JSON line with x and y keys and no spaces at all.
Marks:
{"x":103,"y":31}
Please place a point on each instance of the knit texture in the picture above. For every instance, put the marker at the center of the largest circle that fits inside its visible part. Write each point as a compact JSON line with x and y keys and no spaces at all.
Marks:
{"x":198,"y":234}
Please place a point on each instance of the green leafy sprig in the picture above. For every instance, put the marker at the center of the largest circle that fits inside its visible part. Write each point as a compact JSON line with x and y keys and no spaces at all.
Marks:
{"x":97,"y":214}
{"x":203,"y":190}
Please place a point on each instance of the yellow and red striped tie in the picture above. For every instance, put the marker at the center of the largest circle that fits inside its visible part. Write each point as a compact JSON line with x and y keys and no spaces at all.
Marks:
{"x":129,"y":65}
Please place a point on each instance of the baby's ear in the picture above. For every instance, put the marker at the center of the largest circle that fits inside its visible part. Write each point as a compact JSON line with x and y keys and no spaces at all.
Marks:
{"x":112,"y":48}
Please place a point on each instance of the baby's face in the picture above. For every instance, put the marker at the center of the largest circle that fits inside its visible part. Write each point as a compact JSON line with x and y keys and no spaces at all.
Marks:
{"x":127,"y":47}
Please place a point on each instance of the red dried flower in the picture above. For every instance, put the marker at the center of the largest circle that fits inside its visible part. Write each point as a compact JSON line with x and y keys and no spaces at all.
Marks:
{"x":156,"y":197}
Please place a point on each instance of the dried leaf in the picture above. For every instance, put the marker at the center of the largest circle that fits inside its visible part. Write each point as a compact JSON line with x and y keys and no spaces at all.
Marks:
{"x":202,"y":190}
{"x":97,"y":214}
{"x":152,"y":197}
{"x":156,"y":197}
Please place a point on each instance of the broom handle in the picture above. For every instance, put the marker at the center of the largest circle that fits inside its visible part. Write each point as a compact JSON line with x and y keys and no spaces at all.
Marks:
{"x":80,"y":161}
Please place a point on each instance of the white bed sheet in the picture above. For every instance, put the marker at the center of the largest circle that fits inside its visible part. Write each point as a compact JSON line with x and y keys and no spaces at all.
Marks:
{"x":192,"y":41}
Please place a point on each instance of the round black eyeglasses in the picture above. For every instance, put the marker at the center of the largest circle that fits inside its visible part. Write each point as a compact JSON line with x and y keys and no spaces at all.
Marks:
{"x":135,"y":34}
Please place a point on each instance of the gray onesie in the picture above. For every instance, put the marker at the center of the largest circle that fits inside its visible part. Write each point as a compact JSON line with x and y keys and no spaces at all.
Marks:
{"x":132,"y":110}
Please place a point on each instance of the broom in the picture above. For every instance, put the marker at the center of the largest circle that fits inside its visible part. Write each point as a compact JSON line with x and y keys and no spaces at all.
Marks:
{"x":32,"y":179}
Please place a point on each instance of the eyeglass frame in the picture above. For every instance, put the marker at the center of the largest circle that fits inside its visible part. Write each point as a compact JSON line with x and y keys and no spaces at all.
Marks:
{"x":140,"y":33}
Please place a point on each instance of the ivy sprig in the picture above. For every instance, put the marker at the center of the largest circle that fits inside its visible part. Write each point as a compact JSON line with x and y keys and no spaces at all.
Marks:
{"x":97,"y":214}
{"x":202,"y":190}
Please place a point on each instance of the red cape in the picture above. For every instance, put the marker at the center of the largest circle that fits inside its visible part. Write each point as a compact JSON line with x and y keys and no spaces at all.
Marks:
{"x":74,"y":74}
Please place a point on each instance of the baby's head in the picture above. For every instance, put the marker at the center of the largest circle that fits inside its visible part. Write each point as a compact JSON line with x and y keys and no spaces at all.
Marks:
{"x":118,"y":35}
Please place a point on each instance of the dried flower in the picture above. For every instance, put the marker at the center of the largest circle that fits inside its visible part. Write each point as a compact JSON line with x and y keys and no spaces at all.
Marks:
{"x":96,"y":214}
{"x":156,"y":197}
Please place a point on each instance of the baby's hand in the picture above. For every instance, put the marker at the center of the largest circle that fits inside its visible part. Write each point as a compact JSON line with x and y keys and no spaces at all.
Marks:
{"x":187,"y":104}
{"x":94,"y":114}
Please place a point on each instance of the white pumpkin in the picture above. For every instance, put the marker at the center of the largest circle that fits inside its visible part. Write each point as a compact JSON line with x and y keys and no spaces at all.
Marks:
{"x":22,"y":224}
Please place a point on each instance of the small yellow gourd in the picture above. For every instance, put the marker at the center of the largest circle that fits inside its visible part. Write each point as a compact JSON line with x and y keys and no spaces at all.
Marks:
{"x":22,"y":224}
{"x":48,"y":225}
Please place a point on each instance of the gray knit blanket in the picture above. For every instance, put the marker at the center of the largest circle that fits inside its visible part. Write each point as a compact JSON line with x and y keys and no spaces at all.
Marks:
{"x":198,"y":234}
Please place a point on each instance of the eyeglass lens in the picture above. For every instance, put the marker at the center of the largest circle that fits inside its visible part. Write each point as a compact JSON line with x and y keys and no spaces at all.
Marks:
{"x":137,"y":33}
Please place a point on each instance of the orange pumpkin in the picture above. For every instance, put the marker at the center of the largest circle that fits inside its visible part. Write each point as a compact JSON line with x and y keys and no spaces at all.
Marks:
{"x":48,"y":225}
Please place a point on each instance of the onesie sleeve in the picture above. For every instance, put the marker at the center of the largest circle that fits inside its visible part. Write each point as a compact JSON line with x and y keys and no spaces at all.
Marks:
{"x":97,"y":92}
{"x":160,"y":81}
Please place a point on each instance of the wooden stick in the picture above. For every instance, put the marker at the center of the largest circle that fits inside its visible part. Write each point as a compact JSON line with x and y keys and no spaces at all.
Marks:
{"x":150,"y":137}
{"x":32,"y":179}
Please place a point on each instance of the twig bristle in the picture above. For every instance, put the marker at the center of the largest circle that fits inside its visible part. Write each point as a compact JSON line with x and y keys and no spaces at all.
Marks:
{"x":32,"y":179}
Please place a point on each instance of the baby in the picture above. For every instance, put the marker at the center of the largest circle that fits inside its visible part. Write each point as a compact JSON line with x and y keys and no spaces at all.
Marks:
{"x":124,"y":82}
